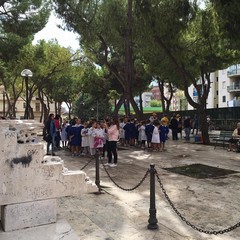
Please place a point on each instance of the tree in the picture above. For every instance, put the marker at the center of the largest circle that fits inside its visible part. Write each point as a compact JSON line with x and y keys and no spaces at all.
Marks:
{"x":20,"y":20}
{"x":52,"y":66}
{"x":227,"y":13}
{"x":107,"y":37}
{"x":188,"y":37}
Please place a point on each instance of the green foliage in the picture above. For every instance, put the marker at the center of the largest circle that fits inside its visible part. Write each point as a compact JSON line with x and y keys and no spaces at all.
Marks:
{"x":20,"y":20}
{"x":89,"y":107}
{"x":228,"y":18}
{"x":155,"y":103}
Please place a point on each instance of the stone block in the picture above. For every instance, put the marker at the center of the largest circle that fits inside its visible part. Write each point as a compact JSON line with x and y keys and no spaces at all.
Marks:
{"x":60,"y":230}
{"x":29,"y":214}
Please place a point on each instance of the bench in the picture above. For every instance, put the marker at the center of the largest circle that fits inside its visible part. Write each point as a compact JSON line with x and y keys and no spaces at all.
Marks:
{"x":223,"y":138}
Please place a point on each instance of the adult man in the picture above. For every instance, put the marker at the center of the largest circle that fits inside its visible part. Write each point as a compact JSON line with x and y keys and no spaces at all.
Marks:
{"x":50,"y":134}
{"x":153,"y":117}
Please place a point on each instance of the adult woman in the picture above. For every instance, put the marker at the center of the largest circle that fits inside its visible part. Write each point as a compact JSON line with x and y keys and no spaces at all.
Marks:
{"x":113,"y":136}
{"x":235,"y":138}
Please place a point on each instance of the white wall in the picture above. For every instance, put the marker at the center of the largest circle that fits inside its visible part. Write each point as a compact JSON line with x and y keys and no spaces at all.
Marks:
{"x":223,"y":82}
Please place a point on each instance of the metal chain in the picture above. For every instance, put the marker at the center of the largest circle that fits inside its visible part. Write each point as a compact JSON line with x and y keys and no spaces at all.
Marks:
{"x":86,"y":164}
{"x":229,"y":229}
{"x":125,"y":189}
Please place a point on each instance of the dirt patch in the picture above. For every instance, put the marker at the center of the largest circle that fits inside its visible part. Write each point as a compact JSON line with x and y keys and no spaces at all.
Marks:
{"x":201,"y":171}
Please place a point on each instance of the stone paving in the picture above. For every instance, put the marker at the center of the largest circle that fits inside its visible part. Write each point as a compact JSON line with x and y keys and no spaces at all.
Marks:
{"x":210,"y":204}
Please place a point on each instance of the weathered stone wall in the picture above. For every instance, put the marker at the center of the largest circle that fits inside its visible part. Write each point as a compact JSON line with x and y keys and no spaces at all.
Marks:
{"x":27,"y":175}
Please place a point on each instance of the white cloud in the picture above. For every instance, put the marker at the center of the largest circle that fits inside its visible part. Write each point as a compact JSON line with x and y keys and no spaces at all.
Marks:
{"x":51,"y":31}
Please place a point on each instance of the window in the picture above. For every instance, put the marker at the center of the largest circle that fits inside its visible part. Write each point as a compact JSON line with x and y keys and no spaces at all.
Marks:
{"x":217,"y":92}
{"x":24,"y":105}
{"x":224,"y":99}
{"x":37,"y":107}
{"x":224,"y":85}
{"x":217,"y":79}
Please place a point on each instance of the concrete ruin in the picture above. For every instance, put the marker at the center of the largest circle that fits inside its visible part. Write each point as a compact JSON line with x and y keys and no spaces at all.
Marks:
{"x":30,"y":182}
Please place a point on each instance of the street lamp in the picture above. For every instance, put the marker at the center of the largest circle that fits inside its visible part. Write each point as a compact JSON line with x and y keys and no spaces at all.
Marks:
{"x":26,"y":73}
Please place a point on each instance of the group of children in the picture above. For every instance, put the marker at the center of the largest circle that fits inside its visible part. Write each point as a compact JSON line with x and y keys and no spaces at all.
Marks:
{"x":146,"y":134}
{"x":84,"y":139}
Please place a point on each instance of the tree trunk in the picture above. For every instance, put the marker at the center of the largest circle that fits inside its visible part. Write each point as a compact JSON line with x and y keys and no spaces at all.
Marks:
{"x":118,"y":105}
{"x":161,"y":89}
{"x":135,"y":107}
{"x":127,"y":107}
{"x":187,"y":77}
{"x":140,"y":103}
{"x":204,"y":125}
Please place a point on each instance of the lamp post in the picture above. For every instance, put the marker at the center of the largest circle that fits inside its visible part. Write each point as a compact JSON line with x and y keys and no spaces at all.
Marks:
{"x":26,"y":73}
{"x":4,"y":94}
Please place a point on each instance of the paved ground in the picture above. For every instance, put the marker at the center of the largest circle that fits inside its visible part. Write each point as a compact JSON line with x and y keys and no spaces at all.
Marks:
{"x":210,"y":204}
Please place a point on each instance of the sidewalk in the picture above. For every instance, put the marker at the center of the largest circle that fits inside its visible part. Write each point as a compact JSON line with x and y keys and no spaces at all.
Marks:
{"x":210,"y":204}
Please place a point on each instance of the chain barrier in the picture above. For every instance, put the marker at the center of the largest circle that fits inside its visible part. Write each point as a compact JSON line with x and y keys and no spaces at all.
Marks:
{"x":210,"y":232}
{"x":125,"y":189}
{"x":86,"y":164}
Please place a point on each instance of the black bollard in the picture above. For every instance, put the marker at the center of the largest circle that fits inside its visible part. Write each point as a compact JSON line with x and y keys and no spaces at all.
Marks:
{"x":97,"y":181}
{"x":152,"y":221}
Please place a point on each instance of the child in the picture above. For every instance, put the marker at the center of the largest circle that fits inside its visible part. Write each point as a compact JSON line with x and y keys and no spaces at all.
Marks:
{"x":64,"y":136}
{"x":149,"y":131}
{"x":163,"y":134}
{"x":156,"y":136}
{"x":85,"y":141}
{"x":91,"y":138}
{"x":105,"y":138}
{"x":142,"y":137}
{"x":98,"y":134}
{"x":122,"y":132}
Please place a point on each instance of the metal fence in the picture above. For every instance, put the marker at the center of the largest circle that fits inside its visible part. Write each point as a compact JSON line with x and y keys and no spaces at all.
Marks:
{"x":223,"y":118}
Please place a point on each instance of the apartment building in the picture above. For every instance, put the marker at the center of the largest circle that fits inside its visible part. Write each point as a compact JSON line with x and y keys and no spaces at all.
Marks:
{"x":225,"y":89}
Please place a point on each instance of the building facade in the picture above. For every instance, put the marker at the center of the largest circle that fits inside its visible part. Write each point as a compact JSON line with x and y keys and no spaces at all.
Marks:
{"x":20,"y":106}
{"x":224,"y":91}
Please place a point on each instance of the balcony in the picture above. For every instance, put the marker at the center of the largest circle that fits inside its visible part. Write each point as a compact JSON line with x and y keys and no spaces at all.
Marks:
{"x":234,"y":103}
{"x":233,"y":88}
{"x":233,"y":71}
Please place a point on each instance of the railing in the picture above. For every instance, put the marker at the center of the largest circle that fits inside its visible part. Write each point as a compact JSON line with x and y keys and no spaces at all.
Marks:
{"x":233,"y":72}
{"x":234,"y":103}
{"x":233,"y":87}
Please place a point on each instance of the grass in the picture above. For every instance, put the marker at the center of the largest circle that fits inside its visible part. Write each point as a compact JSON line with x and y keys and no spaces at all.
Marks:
{"x":145,"y":110}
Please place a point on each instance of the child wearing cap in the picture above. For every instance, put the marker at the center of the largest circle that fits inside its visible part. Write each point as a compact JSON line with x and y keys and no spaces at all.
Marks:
{"x":163,"y":134}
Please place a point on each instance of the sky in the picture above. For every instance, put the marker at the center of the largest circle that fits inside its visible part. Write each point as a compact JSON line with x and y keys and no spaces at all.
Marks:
{"x":51,"y":31}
